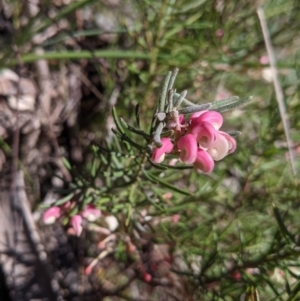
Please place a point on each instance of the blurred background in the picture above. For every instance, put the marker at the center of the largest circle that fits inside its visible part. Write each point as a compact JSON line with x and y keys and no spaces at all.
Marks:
{"x":229,"y":235}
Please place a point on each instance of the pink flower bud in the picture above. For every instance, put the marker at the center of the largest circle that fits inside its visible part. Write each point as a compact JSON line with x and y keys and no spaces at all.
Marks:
{"x":219,"y":32}
{"x":175,"y":218}
{"x":204,"y":162}
{"x":264,"y":60}
{"x":76,"y":223}
{"x":187,"y":145}
{"x":131,"y":248}
{"x":147,"y":277}
{"x":91,"y":213}
{"x":204,"y":133}
{"x":66,"y":206}
{"x":219,"y":148}
{"x":159,"y":153}
{"x":51,"y":215}
{"x":102,"y":244}
{"x":88,"y":270}
{"x":236,"y":275}
{"x":181,"y":119}
{"x":215,"y":118}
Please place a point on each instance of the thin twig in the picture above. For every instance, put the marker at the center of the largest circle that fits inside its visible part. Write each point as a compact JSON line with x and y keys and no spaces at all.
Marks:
{"x":277,"y":86}
{"x":22,"y":203}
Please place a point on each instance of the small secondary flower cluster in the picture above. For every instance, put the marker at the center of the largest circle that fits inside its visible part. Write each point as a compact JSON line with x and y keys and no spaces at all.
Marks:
{"x":198,"y":141}
{"x":90,"y":213}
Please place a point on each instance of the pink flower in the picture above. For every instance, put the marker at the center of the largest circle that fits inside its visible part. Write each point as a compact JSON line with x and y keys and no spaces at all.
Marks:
{"x":204,"y":162}
{"x":147,"y":277}
{"x":181,"y":119}
{"x":91,"y":213}
{"x":219,"y":148}
{"x":231,"y":142}
{"x":131,"y":248}
{"x":159,"y":153}
{"x":175,"y":218}
{"x":51,"y":215}
{"x":88,"y":270}
{"x":187,"y":145}
{"x":204,"y":133}
{"x":264,"y":60}
{"x":76,"y":223}
{"x":219,"y":32}
{"x":66,"y":206}
{"x":236,"y":275}
{"x":215,"y":118}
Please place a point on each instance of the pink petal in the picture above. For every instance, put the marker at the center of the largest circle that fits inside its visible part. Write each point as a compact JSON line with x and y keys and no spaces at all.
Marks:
{"x":187,"y":145}
{"x":131,"y":248}
{"x":175,"y":218}
{"x":204,"y":162}
{"x":66,"y":206}
{"x":76,"y":223}
{"x":231,"y":142}
{"x":215,"y":118}
{"x":219,"y":148}
{"x":51,"y":215}
{"x":197,"y":114}
{"x":159,"y":153}
{"x":147,"y":277}
{"x":181,"y":119}
{"x":264,"y":60}
{"x":236,"y":275}
{"x":91,"y":213}
{"x":204,"y":133}
{"x":219,"y":32}
{"x":88,"y":270}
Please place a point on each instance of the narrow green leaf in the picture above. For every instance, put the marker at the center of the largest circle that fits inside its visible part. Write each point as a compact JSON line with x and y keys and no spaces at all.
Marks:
{"x":137,"y":115}
{"x":123,"y":137}
{"x":170,"y":100}
{"x":82,"y":54}
{"x":132,"y":129}
{"x":225,"y":101}
{"x":154,"y":179}
{"x":234,"y":134}
{"x":148,"y":177}
{"x":117,"y":121}
{"x":157,"y":134}
{"x":195,"y":108}
{"x":281,"y":224}
{"x":159,"y":166}
{"x":172,"y":79}
{"x":94,"y":168}
{"x":63,"y":12}
{"x":179,"y":98}
{"x":164,"y":91}
{"x":178,"y":167}
{"x":66,"y":163}
{"x":229,"y":106}
{"x":65,"y":199}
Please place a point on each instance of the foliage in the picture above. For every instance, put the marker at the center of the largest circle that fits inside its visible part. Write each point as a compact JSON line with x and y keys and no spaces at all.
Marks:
{"x":238,"y":232}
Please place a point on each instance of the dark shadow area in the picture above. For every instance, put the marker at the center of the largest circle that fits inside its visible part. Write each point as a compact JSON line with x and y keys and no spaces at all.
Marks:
{"x":4,"y":292}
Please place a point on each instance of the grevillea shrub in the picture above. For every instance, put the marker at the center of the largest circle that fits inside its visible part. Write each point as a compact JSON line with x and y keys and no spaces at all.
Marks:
{"x":197,"y":141}
{"x":124,"y":196}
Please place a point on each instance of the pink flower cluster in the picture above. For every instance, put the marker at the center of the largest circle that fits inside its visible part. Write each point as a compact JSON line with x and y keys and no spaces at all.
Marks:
{"x":90,"y":213}
{"x":198,"y":141}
